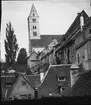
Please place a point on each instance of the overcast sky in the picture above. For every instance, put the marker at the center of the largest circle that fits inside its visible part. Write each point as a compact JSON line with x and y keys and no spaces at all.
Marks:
{"x":55,"y":17}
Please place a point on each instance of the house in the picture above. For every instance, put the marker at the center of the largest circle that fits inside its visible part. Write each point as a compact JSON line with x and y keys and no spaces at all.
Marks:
{"x":66,"y":50}
{"x":47,"y":55}
{"x":83,"y":46}
{"x":24,"y":87}
{"x":55,"y":81}
{"x":58,"y":80}
{"x":7,"y":80}
{"x":32,"y":61}
{"x":21,"y":89}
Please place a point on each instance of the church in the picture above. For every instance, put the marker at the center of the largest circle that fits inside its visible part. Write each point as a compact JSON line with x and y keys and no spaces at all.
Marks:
{"x":37,"y":42}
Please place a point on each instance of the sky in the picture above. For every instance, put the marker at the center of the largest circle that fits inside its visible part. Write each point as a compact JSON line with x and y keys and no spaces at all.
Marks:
{"x":55,"y":17}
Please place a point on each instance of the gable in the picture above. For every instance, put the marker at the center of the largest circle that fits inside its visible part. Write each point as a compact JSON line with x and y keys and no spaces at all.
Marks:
{"x":33,"y":11}
{"x":32,"y":56}
{"x":21,"y":87}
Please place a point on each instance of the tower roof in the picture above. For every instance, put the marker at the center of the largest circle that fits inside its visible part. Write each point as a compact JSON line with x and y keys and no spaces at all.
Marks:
{"x":33,"y":10}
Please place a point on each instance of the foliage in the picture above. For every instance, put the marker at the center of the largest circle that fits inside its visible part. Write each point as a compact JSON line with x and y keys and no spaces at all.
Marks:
{"x":11,"y":46}
{"x":22,"y":56}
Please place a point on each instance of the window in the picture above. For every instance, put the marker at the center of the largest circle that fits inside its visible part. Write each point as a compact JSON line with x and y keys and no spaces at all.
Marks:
{"x":29,"y":96}
{"x":23,"y":83}
{"x":10,"y":98}
{"x":62,"y":89}
{"x":24,"y":96}
{"x":89,"y":31}
{"x":35,"y":33}
{"x":34,"y":27}
{"x":34,"y":20}
{"x":86,"y":57}
{"x":62,"y":78}
{"x":78,"y":58}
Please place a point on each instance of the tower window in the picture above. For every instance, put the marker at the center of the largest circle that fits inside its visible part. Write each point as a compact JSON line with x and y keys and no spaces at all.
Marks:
{"x":89,"y":31}
{"x":78,"y":58}
{"x":34,"y":20}
{"x":34,"y":27}
{"x":35,"y":33}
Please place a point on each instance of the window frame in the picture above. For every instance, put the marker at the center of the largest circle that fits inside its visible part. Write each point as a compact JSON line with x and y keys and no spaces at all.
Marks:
{"x":62,"y":79}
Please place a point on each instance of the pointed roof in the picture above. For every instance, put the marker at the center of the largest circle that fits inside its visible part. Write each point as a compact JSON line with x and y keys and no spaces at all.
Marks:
{"x":32,"y":54}
{"x":34,"y":79}
{"x":12,"y":87}
{"x":33,"y":9}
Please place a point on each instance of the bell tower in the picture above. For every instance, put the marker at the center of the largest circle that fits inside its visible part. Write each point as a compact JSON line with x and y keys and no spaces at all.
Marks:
{"x":33,"y":26}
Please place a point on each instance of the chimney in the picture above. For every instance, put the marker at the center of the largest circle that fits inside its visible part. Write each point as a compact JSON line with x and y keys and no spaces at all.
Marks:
{"x":74,"y":70}
{"x":81,"y":21}
{"x":41,"y":76}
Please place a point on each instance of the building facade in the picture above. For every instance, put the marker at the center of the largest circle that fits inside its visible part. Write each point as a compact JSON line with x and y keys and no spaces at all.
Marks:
{"x":76,"y":39}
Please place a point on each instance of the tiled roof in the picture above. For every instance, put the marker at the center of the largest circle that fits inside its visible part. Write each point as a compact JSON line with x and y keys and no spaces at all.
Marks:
{"x":73,"y":28}
{"x":57,"y":69}
{"x":82,"y":86}
{"x":34,"y":79}
{"x":76,"y":22}
{"x":44,"y":41}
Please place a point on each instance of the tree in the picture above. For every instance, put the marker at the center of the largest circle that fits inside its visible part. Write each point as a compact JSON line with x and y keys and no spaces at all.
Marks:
{"x":22,"y":56}
{"x":11,"y":46}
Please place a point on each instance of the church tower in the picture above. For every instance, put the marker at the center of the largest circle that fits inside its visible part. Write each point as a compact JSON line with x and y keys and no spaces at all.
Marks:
{"x":33,"y":26}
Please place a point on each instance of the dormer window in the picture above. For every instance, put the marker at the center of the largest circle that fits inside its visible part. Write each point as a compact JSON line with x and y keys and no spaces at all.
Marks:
{"x":62,"y":78}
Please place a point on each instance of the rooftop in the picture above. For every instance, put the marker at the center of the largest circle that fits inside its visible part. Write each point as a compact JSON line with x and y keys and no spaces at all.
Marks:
{"x":44,"y":40}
